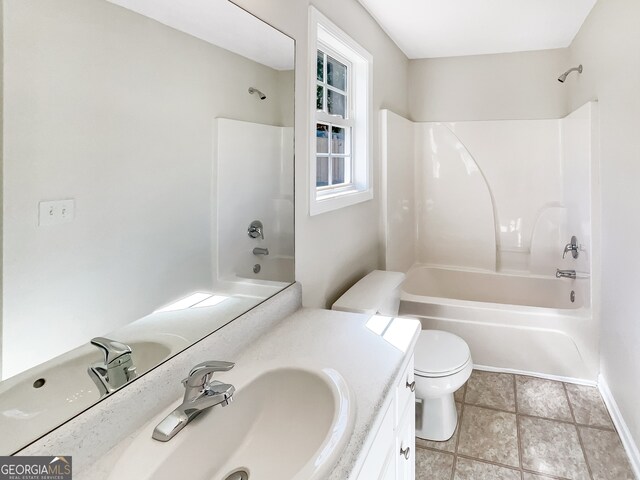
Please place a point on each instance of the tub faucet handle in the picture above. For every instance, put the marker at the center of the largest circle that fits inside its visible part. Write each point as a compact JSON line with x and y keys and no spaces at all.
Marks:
{"x":572,"y":247}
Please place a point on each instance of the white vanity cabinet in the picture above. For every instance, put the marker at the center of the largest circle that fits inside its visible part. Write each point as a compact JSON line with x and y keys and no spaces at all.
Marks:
{"x":391,"y":454}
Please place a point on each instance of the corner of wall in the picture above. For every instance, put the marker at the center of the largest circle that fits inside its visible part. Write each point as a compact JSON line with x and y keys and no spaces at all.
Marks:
{"x":1,"y":173}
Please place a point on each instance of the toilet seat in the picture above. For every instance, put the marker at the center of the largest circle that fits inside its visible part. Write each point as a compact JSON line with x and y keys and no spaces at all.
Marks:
{"x":440,"y":354}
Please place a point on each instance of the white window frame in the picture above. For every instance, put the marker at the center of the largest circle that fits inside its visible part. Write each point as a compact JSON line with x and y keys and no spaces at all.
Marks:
{"x":326,"y":36}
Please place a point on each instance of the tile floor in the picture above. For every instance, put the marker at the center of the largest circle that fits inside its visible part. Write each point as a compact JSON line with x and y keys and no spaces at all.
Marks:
{"x":526,"y":428}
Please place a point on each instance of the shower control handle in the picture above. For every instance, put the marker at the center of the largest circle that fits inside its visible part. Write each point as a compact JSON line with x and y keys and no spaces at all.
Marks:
{"x":572,"y":247}
{"x":256,"y":229}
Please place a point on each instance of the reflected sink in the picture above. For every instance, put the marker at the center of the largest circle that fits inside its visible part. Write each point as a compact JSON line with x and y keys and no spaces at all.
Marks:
{"x":45,"y":396}
{"x":283,"y":424}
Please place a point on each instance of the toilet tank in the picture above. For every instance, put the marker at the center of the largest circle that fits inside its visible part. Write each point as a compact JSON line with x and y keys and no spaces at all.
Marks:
{"x":378,"y":292}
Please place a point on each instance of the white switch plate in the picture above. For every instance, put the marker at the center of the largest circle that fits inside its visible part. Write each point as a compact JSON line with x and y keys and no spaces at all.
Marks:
{"x":56,"y":212}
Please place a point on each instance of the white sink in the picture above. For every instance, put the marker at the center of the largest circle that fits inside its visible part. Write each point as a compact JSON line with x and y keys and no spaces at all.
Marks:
{"x":41,"y":398}
{"x":283,"y":424}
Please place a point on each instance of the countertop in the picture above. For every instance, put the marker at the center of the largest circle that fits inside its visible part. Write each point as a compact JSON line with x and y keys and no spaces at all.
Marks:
{"x":370,"y":354}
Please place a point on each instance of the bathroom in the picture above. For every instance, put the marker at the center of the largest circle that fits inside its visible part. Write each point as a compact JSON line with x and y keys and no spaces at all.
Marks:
{"x":349,"y":239}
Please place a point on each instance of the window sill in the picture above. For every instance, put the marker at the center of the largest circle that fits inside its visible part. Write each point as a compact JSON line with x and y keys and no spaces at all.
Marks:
{"x":329,"y":201}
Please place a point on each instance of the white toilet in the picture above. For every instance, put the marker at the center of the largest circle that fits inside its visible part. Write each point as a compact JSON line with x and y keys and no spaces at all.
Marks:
{"x":442,"y":360}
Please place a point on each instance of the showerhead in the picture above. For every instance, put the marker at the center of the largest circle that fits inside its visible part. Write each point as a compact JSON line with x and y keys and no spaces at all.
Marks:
{"x":260,"y":94}
{"x":563,"y":77}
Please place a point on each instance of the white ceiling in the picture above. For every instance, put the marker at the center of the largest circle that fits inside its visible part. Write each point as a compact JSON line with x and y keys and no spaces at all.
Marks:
{"x":449,"y":28}
{"x":221,"y":23}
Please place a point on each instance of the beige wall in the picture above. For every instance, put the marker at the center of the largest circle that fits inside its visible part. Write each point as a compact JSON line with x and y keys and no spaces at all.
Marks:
{"x":504,"y":86}
{"x":608,"y":45}
{"x":335,"y":249}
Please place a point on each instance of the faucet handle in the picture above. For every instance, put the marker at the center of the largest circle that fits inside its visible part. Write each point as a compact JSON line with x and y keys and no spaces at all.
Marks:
{"x":255,"y":229}
{"x":200,"y":374}
{"x":112,"y":349}
{"x":572,"y":247}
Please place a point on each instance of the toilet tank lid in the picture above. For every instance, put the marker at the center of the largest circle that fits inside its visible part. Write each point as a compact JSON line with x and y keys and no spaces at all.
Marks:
{"x":369,"y":294}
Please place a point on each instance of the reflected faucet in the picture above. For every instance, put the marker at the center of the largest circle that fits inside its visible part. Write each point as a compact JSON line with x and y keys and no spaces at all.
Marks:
{"x":200,"y":393}
{"x":255,"y":229}
{"x":117,"y":368}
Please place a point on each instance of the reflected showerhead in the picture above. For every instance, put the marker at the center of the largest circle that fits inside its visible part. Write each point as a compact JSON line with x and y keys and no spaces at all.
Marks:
{"x":255,"y":90}
{"x":563,"y":77}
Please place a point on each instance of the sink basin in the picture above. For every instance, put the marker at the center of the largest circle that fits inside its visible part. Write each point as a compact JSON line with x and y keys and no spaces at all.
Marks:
{"x":43,"y":397}
{"x":283,"y":424}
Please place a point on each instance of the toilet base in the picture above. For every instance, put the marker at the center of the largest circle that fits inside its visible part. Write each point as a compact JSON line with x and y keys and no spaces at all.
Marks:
{"x":438,"y":418}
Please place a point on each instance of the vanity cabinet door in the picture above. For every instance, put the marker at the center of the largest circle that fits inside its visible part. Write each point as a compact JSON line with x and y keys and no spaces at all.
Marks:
{"x":406,"y":444}
{"x":389,"y":472}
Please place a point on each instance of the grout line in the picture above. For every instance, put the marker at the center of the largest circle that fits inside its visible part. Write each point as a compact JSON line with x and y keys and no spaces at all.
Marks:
{"x":544,"y":475}
{"x":584,"y":452}
{"x":518,"y":435}
{"x":570,"y":422}
{"x":459,"y":427}
{"x":489,"y":462}
{"x":566,"y":394}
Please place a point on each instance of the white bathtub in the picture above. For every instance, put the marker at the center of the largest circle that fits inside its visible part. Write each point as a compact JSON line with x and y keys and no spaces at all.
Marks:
{"x":511,"y":322}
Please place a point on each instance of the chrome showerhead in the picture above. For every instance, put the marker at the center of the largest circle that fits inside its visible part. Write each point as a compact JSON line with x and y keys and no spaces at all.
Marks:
{"x":563,"y":77}
{"x":260,"y":94}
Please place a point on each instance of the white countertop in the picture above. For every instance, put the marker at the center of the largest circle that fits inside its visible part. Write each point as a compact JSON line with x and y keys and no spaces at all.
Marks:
{"x":347,"y":342}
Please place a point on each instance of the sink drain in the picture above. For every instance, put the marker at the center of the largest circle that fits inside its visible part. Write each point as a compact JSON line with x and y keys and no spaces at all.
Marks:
{"x":238,"y":475}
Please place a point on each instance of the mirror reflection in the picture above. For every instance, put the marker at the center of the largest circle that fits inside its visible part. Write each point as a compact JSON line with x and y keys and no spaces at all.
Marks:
{"x":147,"y":191}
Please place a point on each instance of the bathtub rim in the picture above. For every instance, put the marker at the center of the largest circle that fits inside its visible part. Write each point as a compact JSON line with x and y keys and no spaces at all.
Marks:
{"x":582,"y":311}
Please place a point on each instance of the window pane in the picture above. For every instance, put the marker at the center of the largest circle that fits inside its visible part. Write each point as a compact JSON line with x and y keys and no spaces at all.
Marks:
{"x":336,"y":104}
{"x":320,"y":66}
{"x":322,"y":138}
{"x":336,"y":74}
{"x":322,"y":171}
{"x":338,"y":140}
{"x":320,"y":97}
{"x":337,"y":170}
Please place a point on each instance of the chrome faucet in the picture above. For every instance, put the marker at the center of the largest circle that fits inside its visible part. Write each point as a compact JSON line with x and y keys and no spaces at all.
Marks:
{"x":117,"y":368}
{"x":200,"y":393}
{"x":565,"y":273}
{"x":260,"y":251}
{"x":256,"y":229}
{"x":572,"y":247}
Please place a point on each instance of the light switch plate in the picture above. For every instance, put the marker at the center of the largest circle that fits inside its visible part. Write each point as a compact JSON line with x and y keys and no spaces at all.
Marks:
{"x":56,"y":212}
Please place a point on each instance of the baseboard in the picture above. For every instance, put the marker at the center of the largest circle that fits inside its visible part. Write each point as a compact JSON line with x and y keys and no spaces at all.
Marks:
{"x":621,"y":426}
{"x":557,"y":378}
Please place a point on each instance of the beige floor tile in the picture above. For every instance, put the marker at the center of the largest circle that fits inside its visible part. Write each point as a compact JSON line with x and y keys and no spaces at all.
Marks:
{"x":542,"y":398}
{"x":535,"y":476}
{"x":447,"y":446}
{"x":490,"y":389}
{"x":471,"y":470}
{"x":489,"y":435}
{"x":432,"y":465}
{"x":588,"y":407}
{"x":605,"y":455}
{"x":552,"y":447}
{"x":459,"y":394}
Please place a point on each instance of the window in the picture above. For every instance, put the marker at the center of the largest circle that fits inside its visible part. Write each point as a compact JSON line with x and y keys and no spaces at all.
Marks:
{"x":333,"y":122}
{"x":340,"y":120}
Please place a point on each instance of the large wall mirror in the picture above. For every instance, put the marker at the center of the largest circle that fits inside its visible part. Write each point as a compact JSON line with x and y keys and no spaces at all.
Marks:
{"x":147,"y":191}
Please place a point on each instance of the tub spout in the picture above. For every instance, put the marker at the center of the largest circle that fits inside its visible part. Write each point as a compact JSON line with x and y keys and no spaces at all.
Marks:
{"x":565,"y":273}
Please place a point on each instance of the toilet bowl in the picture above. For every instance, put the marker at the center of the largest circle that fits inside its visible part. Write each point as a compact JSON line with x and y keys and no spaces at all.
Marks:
{"x":442,"y":365}
{"x":442,"y":360}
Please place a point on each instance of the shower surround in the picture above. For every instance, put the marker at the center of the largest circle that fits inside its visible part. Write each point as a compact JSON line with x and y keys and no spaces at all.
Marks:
{"x":496,"y":202}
